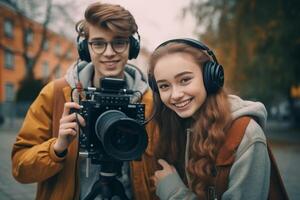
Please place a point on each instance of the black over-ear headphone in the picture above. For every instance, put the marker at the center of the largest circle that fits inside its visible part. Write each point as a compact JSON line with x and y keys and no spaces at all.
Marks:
{"x":84,"y":54}
{"x":134,"y":46}
{"x":213,"y":73}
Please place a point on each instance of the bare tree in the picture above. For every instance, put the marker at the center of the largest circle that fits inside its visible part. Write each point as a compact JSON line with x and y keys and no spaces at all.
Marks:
{"x":22,"y":9}
{"x":47,"y":13}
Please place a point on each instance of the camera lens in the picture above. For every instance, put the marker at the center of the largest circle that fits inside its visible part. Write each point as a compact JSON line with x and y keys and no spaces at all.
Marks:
{"x":122,"y":137}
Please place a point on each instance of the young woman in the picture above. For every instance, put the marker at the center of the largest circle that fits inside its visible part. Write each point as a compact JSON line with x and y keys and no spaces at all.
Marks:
{"x":195,"y":115}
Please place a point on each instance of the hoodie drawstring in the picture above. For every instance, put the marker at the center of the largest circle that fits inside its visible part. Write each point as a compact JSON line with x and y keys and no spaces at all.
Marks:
{"x":188,"y":131}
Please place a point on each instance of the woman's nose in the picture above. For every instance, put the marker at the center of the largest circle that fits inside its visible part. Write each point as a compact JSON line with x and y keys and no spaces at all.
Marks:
{"x":177,"y":93}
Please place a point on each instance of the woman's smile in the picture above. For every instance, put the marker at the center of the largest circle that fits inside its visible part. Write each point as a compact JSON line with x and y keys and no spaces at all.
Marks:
{"x":183,"y":104}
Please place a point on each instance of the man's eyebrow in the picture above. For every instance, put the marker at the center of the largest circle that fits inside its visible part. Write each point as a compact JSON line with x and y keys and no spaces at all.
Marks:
{"x":103,"y":39}
{"x":97,"y":38}
{"x":120,"y":37}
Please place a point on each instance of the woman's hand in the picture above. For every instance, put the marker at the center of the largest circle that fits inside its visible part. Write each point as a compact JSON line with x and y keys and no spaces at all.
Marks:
{"x":166,"y":170}
{"x":68,"y":128}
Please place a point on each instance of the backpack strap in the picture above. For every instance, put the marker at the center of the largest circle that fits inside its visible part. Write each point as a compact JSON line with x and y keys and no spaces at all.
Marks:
{"x":58,"y":104}
{"x":277,"y":190}
{"x":226,"y":155}
{"x":233,"y":139}
{"x":226,"y":158}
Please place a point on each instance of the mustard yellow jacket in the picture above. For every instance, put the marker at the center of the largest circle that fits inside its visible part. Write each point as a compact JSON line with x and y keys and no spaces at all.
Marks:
{"x":34,"y":160}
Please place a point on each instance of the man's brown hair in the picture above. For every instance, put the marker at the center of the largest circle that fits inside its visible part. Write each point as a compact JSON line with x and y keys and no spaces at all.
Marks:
{"x":113,"y":17}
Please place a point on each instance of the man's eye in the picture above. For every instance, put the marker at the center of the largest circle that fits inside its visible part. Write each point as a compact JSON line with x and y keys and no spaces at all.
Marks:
{"x":119,"y":42}
{"x":98,"y":43}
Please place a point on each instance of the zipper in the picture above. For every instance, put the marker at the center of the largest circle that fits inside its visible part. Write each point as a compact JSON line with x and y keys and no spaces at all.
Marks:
{"x":211,"y":193}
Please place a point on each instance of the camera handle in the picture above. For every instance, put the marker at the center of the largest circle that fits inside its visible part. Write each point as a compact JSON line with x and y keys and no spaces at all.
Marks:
{"x":107,"y":185}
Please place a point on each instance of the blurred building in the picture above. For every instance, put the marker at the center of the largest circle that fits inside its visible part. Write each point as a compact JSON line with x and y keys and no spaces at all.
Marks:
{"x":18,"y":35}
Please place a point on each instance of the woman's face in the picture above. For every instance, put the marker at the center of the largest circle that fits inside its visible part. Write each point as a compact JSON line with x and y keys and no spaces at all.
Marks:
{"x":180,"y":83}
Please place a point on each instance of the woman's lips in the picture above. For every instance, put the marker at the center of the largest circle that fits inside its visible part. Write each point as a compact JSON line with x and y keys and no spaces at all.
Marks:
{"x":182,"y":104}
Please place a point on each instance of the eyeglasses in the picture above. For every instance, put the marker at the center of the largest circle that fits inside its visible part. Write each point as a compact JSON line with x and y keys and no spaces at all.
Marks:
{"x":118,"y":45}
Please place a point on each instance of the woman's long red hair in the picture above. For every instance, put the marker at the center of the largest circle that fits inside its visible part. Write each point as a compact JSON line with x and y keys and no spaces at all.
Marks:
{"x":208,"y":128}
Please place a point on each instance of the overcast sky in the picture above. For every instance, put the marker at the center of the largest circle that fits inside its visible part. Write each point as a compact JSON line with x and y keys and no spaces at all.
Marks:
{"x":158,"y":20}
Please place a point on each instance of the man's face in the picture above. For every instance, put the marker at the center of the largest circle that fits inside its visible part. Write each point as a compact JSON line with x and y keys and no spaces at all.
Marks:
{"x":109,"y":62}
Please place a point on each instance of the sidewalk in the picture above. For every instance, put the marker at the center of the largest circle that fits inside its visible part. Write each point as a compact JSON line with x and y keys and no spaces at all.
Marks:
{"x":11,"y":125}
{"x":10,"y":189}
{"x":285,"y":139}
{"x":282,"y":132}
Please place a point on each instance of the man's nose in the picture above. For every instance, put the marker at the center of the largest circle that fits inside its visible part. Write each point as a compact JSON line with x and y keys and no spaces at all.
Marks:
{"x":109,"y":50}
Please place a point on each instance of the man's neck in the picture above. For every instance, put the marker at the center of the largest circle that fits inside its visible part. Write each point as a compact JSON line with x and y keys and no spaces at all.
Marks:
{"x":96,"y":82}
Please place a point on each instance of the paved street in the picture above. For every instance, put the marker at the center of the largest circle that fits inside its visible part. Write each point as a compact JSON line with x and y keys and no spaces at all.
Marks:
{"x":284,"y":141}
{"x":9,"y":188}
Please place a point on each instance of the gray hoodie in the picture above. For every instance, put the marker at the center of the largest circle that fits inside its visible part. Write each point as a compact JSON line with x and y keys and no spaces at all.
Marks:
{"x":135,"y":80}
{"x":83,"y":71}
{"x":250,"y":173}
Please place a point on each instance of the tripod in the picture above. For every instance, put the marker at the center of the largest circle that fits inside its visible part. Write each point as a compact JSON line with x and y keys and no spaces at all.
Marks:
{"x":107,"y":185}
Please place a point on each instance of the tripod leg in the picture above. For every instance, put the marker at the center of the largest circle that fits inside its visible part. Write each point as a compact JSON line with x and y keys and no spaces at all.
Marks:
{"x":107,"y":187}
{"x":118,"y":189}
{"x":98,"y":188}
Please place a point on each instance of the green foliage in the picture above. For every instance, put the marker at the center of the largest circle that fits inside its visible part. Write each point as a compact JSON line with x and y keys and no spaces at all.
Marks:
{"x":258,"y":42}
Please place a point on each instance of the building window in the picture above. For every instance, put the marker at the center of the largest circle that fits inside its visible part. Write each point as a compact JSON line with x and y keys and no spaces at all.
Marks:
{"x":57,"y":72}
{"x":45,"y":70}
{"x":45,"y":45}
{"x":57,"y":49}
{"x":8,"y":59}
{"x":8,"y":28}
{"x":9,"y":92}
{"x":29,"y":36}
{"x":69,"y":55}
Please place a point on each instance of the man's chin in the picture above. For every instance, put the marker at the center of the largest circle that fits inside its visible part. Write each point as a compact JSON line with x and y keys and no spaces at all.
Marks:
{"x":103,"y":71}
{"x":116,"y":74}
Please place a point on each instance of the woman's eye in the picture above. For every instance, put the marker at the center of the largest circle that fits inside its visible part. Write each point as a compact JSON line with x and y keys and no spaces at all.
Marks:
{"x":185,"y":80}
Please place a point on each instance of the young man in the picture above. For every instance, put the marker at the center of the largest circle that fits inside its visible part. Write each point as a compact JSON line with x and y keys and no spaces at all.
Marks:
{"x":46,"y":148}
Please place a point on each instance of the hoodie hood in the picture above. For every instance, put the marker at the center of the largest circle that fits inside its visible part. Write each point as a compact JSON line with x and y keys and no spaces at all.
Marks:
{"x":240,"y":107}
{"x":83,"y":71}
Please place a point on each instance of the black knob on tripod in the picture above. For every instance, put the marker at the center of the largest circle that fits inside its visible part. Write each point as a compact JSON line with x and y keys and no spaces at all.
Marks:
{"x":107,"y":186}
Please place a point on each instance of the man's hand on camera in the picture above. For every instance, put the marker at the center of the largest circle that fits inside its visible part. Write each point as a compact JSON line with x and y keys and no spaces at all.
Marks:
{"x":68,"y":127}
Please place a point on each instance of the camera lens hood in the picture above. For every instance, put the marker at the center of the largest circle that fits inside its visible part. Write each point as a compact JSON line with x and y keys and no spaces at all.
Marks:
{"x":122,"y":137}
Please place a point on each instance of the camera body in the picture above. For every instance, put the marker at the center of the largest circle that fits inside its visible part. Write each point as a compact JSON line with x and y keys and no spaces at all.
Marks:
{"x":114,"y":128}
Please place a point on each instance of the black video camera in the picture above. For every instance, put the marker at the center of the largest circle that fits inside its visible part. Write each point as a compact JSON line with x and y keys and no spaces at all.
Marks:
{"x":114,"y":128}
